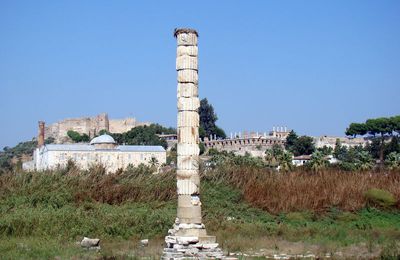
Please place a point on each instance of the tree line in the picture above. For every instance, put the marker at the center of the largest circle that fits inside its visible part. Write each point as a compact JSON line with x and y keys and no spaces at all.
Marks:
{"x":379,"y":128}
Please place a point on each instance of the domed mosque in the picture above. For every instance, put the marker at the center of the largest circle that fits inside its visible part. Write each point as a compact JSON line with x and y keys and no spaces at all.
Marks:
{"x":104,"y":141}
{"x":101,"y":150}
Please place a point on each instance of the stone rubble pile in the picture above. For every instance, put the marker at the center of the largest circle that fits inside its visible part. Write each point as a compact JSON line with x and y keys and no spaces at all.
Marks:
{"x":190,"y":247}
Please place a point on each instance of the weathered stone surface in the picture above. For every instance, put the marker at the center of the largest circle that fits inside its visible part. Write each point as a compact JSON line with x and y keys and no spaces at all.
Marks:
{"x":90,"y":242}
{"x":188,"y":118}
{"x":186,"y":62}
{"x":188,"y":135}
{"x":177,"y":246}
{"x":210,"y":245}
{"x":188,"y":162}
{"x":187,"y":150}
{"x":191,"y":232}
{"x":188,"y":76}
{"x":192,"y":251}
{"x":185,"y":173}
{"x":187,"y":90}
{"x":187,"y":187}
{"x":187,"y":50}
{"x":189,"y":212}
{"x":186,"y":39}
{"x":170,"y":239}
{"x":185,"y":201}
{"x":192,"y":220}
{"x":188,"y":105}
{"x":144,"y":242}
{"x":191,"y":226}
{"x":187,"y":240}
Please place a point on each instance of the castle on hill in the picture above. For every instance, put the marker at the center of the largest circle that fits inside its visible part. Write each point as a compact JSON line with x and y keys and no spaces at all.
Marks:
{"x":90,"y":126}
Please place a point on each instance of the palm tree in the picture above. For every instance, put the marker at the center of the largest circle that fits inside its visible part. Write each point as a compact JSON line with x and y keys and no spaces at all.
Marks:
{"x":393,"y":160}
{"x":285,"y":161}
{"x":153,"y":162}
{"x":365,"y":160}
{"x":318,"y":161}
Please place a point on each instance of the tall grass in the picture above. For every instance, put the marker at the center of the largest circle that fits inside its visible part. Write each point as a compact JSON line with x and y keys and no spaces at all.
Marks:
{"x":237,"y":204}
{"x":304,"y":191}
{"x":64,"y":186}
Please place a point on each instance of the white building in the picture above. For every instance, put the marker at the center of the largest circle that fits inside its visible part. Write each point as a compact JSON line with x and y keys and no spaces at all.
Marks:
{"x":330,"y":141}
{"x":301,"y":160}
{"x":101,"y":150}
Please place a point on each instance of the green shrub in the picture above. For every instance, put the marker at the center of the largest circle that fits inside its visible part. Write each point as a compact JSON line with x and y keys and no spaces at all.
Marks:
{"x":298,"y":216}
{"x":380,"y":197}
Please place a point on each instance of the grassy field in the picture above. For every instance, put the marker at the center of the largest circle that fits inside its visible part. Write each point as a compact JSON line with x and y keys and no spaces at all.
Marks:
{"x":43,"y":215}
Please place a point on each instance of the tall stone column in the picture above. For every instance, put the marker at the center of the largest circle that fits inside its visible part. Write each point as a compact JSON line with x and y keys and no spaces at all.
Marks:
{"x":188,"y":237}
{"x":40,"y":138}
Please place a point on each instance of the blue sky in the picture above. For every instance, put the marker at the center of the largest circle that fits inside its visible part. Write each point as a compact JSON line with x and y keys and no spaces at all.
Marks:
{"x":314,"y":66}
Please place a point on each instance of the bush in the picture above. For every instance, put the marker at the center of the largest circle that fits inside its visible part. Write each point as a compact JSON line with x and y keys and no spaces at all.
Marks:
{"x":380,"y":197}
{"x":393,"y":161}
{"x":77,"y":137}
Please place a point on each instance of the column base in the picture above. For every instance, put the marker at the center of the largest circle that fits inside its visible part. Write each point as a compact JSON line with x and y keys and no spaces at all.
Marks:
{"x":190,"y":241}
{"x":191,"y":248}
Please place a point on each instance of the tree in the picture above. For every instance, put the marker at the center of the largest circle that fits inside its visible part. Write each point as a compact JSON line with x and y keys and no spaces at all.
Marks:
{"x":318,"y":161}
{"x":393,"y":160}
{"x":395,"y":120}
{"x":276,"y":156}
{"x":325,"y":150}
{"x":273,"y":155}
{"x":153,"y":162}
{"x":103,"y":132}
{"x":77,"y":137}
{"x":299,"y":145}
{"x":356,"y":158}
{"x":356,"y":129}
{"x":303,"y":145}
{"x":381,"y":126}
{"x":392,"y":146}
{"x":291,"y":140}
{"x":208,"y":119}
{"x":339,"y":150}
{"x":142,"y":135}
{"x":270,"y":158}
{"x":364,"y":160}
{"x":16,"y":152}
{"x":285,"y":161}
{"x":49,"y":140}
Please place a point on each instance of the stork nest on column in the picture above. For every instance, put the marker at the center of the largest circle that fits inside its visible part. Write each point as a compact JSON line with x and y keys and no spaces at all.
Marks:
{"x":184,"y":30}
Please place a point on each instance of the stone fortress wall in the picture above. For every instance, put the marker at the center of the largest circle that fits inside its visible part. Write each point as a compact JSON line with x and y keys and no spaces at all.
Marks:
{"x":253,"y":143}
{"x":256,"y":143}
{"x":90,"y":126}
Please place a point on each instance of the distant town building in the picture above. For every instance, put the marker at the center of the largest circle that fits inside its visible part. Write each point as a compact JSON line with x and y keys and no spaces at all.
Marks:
{"x":301,"y":160}
{"x":101,"y":150}
{"x":330,"y":141}
{"x":90,"y":126}
{"x":172,"y":140}
{"x":304,"y":159}
{"x":254,"y":143}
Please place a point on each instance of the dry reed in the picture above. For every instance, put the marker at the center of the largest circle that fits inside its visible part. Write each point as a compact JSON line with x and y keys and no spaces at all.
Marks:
{"x":304,"y":191}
